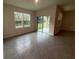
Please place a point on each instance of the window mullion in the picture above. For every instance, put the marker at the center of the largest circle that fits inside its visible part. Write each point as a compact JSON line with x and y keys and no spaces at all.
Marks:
{"x":23,"y":19}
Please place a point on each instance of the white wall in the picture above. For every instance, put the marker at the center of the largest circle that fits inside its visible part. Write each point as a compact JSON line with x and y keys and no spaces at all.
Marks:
{"x":9,"y":29}
{"x":49,"y":11}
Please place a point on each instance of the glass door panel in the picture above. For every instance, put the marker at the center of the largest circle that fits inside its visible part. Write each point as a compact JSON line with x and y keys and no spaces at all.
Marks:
{"x":40,"y":23}
{"x":43,"y":23}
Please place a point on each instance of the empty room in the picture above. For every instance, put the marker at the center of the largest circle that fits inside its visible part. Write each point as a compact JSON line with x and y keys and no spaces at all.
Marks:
{"x":39,"y":29}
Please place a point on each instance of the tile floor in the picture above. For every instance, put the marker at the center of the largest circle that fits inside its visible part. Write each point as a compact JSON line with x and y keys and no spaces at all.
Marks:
{"x":40,"y":45}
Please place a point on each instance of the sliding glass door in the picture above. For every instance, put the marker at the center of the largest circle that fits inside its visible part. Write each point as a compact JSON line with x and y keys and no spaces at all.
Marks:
{"x":43,"y":23}
{"x":40,"y":23}
{"x":46,"y":23}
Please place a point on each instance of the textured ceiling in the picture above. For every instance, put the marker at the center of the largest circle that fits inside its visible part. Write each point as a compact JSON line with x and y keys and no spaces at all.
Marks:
{"x":31,"y":5}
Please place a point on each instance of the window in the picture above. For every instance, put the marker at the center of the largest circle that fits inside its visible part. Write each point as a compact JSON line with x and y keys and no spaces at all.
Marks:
{"x":26,"y":20}
{"x":22,"y":20}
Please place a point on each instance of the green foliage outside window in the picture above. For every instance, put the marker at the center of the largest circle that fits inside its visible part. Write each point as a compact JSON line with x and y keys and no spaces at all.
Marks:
{"x":26,"y":22}
{"x":22,"y":19}
{"x":18,"y":23}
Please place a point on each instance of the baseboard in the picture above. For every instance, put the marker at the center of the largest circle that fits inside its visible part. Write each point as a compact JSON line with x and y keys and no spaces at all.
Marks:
{"x":19,"y":35}
{"x":51,"y":34}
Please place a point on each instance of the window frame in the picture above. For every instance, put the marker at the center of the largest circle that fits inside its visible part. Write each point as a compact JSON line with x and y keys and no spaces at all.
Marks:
{"x":23,"y":25}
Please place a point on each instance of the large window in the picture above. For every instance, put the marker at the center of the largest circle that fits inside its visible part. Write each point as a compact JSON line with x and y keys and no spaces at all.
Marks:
{"x":22,"y":20}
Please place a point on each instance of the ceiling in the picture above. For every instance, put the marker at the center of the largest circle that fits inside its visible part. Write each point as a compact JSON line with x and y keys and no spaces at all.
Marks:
{"x":31,"y":5}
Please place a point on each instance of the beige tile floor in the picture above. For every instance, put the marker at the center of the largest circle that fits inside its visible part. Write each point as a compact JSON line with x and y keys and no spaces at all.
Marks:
{"x":40,"y":45}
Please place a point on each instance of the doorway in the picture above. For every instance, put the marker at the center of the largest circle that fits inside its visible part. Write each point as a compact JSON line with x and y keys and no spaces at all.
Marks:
{"x":43,"y":23}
